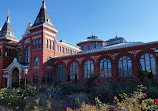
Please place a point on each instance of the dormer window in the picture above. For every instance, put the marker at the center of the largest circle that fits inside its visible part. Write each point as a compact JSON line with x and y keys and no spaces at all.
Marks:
{"x":47,"y":20}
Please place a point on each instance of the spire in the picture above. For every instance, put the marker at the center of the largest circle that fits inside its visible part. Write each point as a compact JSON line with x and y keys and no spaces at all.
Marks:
{"x":43,"y":17}
{"x":28,"y":28}
{"x":7,"y":31}
{"x":8,"y":17}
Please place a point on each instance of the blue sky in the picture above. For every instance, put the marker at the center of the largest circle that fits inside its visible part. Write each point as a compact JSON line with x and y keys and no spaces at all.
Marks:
{"x":75,"y":20}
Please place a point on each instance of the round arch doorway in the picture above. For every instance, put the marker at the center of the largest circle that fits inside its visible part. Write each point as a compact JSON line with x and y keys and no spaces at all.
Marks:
{"x":15,"y":78}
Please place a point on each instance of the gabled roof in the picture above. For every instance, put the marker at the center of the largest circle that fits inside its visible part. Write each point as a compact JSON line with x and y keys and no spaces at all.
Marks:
{"x":7,"y":31}
{"x":43,"y":17}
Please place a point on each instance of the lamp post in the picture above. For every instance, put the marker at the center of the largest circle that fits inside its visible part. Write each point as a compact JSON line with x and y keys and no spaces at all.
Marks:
{"x":25,"y":74}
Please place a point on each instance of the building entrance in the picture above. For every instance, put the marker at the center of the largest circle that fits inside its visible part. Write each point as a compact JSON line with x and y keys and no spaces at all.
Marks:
{"x":15,"y":78}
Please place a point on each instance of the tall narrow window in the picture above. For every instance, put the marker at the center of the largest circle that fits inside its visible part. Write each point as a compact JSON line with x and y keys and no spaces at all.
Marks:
{"x":40,"y":43}
{"x":74,"y":71}
{"x":60,"y":72}
{"x":27,"y":54}
{"x":88,"y":69}
{"x":148,"y":63}
{"x":36,"y":43}
{"x":66,"y":50}
{"x":36,"y":61}
{"x":62,"y":49}
{"x":52,"y":45}
{"x":19,"y":56}
{"x":46,"y":43}
{"x":59,"y":48}
{"x":125,"y":67}
{"x":6,"y":52}
{"x":105,"y":68}
{"x":35,"y":78}
{"x":33,"y":44}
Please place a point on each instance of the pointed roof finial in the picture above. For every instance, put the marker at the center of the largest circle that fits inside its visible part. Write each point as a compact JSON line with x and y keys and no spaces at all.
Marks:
{"x":92,"y":34}
{"x":8,"y":13}
{"x":30,"y":24}
{"x":8,"y":17}
{"x":43,"y":2}
{"x":116,"y":34}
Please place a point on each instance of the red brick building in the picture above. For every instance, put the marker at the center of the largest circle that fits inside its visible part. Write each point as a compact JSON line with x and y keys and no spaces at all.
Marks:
{"x":40,"y":58}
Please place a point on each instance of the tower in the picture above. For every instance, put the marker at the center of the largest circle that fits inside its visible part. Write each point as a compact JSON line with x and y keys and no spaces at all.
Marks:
{"x":8,"y":49}
{"x":42,"y":36}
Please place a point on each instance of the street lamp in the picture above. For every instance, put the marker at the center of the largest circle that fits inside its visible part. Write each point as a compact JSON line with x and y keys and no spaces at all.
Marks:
{"x":25,"y":74}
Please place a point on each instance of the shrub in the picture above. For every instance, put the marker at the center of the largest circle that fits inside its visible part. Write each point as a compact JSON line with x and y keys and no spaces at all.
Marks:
{"x":12,"y":98}
{"x":90,"y":83}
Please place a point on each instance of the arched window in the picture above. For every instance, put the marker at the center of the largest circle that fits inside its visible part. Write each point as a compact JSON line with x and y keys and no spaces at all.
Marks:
{"x":60,"y":72}
{"x":105,"y":68}
{"x":85,"y":47}
{"x":19,"y":56}
{"x":35,"y":78}
{"x":125,"y":67}
{"x":27,"y":54}
{"x":36,"y":61}
{"x":88,"y":69}
{"x":49,"y":61}
{"x":74,"y":71}
{"x":99,"y":45}
{"x":147,"y":63}
{"x":92,"y":46}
